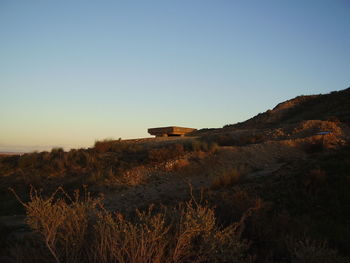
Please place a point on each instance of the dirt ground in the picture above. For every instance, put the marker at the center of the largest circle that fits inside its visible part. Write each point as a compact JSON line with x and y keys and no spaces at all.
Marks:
{"x":174,"y":186}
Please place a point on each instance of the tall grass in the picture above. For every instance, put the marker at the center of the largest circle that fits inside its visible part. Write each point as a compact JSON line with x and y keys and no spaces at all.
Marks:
{"x":61,"y":221}
{"x":226,"y":179}
{"x":79,"y":229}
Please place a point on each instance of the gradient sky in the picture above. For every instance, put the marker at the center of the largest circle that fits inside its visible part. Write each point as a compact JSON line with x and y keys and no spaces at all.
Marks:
{"x":72,"y":72}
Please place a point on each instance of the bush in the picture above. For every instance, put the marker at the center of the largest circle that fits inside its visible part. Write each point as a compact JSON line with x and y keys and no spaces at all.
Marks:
{"x":311,"y":251}
{"x":116,"y":239}
{"x":204,"y":146}
{"x":224,"y":140}
{"x":226,"y":179}
{"x":81,"y":230}
{"x":103,"y":146}
{"x":251,"y":139}
{"x":166,"y":153}
{"x":29,"y":160}
{"x":61,"y":222}
{"x":57,"y":152}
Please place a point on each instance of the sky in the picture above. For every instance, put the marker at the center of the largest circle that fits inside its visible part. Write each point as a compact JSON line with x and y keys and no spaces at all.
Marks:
{"x":73,"y":72}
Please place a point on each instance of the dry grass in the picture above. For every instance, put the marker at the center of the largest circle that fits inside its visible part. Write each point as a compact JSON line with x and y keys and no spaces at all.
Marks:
{"x":226,"y":179}
{"x":119,"y":240}
{"x":266,"y":212}
{"x":61,"y":221}
{"x":81,"y":230}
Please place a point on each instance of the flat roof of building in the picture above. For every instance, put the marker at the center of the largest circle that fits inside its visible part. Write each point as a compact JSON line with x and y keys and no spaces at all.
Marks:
{"x":170,"y":130}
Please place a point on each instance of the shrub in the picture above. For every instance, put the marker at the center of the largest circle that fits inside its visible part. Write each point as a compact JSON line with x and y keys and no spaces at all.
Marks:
{"x":57,"y":151}
{"x":311,"y":251}
{"x":225,"y":140}
{"x":166,"y":153}
{"x":226,"y":179}
{"x":81,"y":230}
{"x":118,"y":240}
{"x":251,"y":139}
{"x":180,"y":164}
{"x":29,"y":160}
{"x":117,"y":146}
{"x":197,"y":145}
{"x":61,"y":221}
{"x":103,"y":146}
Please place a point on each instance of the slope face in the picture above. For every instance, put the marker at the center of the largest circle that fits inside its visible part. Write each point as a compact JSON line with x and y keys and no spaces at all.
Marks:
{"x":335,"y":105}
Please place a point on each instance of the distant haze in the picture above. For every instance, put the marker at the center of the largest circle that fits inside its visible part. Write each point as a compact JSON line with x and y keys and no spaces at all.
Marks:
{"x":72,"y":72}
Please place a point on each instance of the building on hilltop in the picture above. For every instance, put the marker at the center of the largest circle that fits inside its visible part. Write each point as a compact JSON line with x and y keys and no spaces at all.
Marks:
{"x":170,"y":131}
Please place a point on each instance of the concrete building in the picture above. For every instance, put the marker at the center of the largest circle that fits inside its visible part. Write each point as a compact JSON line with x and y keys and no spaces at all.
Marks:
{"x":170,"y":131}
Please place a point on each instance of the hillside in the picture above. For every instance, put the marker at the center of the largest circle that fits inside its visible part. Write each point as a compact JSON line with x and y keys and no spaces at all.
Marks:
{"x":271,"y":189}
{"x":332,"y":106}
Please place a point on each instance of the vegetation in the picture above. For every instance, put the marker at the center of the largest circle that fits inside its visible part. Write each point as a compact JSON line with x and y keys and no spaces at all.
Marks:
{"x":300,"y":217}
{"x":263,"y":194}
{"x":333,"y":107}
{"x":81,"y":230}
{"x":226,"y":179}
{"x":107,"y":162}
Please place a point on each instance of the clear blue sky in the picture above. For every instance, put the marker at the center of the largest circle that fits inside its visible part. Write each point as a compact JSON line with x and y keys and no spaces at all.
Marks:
{"x":72,"y":72}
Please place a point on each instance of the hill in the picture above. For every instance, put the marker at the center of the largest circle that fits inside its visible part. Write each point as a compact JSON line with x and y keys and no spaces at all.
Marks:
{"x":271,"y":189}
{"x":332,"y":106}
